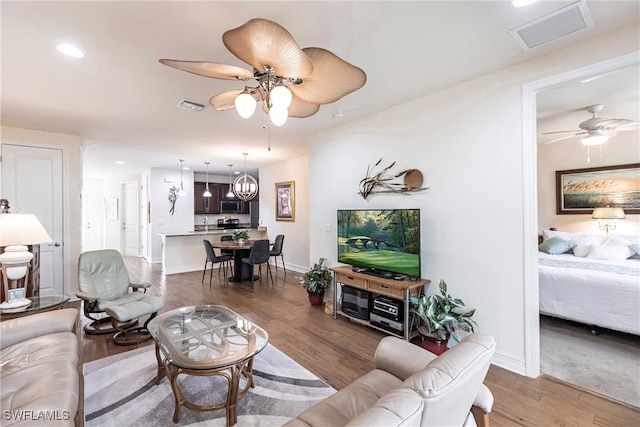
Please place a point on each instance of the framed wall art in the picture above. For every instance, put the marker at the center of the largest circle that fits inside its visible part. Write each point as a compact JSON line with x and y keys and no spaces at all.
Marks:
{"x":579,"y":191}
{"x":285,"y":201}
{"x":112,"y":209}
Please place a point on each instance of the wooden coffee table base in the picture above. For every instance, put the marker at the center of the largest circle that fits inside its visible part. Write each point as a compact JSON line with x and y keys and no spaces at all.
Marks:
{"x":231,"y":374}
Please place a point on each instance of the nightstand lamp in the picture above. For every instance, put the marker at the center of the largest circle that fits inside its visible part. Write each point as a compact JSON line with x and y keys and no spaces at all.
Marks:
{"x":607,"y":217}
{"x":16,"y":231}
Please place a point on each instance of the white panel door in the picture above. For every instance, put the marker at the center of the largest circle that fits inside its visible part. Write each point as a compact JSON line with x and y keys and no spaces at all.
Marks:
{"x":130,"y":228}
{"x":93,"y":213}
{"x":32,"y":182}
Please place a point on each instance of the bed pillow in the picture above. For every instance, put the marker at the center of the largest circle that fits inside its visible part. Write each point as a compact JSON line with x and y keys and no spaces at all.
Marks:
{"x":615,"y":240}
{"x":584,"y":246}
{"x":635,"y":247}
{"x":556,"y":246}
{"x":610,"y":252}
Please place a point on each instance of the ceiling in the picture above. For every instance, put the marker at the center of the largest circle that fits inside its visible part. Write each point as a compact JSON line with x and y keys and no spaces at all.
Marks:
{"x":122,"y":102}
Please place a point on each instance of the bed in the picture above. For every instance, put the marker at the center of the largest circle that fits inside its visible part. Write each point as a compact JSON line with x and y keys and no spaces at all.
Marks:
{"x":591,"y":279}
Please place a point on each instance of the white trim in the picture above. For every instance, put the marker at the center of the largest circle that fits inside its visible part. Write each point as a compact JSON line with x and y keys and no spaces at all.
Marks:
{"x":529,"y":164}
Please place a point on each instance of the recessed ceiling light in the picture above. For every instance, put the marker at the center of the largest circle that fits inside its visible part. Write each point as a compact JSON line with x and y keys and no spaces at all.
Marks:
{"x":522,"y":3}
{"x":119,"y":162}
{"x":185,"y":168}
{"x":69,"y":50}
{"x":338,"y":114}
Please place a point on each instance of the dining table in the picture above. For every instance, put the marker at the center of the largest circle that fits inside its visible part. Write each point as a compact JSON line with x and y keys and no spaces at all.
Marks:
{"x":242,"y":272}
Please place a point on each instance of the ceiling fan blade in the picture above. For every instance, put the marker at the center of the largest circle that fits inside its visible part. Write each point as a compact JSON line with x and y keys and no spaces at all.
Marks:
{"x":225,"y":100}
{"x":209,"y":69}
{"x":332,"y":78}
{"x":300,"y":108}
{"x":561,"y":131}
{"x":261,"y":42}
{"x":575,"y":135}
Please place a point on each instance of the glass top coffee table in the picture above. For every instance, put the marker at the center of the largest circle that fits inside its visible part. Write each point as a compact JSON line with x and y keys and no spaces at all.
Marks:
{"x":207,"y":340}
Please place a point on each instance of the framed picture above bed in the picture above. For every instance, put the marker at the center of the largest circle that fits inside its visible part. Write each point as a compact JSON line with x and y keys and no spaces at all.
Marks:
{"x":579,"y":191}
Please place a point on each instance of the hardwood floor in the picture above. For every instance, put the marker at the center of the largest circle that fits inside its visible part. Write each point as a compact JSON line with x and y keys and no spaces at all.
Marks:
{"x":339,"y":351}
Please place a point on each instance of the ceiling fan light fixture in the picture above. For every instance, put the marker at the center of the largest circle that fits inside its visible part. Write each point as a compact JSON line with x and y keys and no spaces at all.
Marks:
{"x":245,"y":104}
{"x":278,"y":115}
{"x":281,"y":97}
{"x":595,"y":139}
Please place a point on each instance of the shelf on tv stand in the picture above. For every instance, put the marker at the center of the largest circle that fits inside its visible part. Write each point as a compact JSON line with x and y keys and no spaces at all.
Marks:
{"x":398,"y":289}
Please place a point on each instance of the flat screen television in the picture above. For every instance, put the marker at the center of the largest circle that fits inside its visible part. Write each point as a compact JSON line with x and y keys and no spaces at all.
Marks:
{"x":382,"y":242}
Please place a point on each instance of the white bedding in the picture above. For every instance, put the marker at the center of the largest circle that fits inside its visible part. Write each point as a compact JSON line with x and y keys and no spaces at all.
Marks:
{"x":603,"y":298}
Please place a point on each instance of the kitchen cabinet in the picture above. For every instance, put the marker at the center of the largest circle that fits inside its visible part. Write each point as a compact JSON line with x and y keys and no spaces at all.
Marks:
{"x":245,"y":205}
{"x":206,"y":205}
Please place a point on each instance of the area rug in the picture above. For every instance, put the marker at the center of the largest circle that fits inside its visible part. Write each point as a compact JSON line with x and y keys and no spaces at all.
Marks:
{"x":120,"y":390}
{"x":608,"y":363}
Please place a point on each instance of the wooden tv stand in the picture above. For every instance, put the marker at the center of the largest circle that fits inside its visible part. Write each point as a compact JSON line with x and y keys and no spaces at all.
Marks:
{"x":398,"y":289}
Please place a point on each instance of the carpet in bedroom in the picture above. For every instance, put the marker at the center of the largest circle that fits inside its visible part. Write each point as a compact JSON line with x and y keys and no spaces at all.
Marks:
{"x":608,"y":364}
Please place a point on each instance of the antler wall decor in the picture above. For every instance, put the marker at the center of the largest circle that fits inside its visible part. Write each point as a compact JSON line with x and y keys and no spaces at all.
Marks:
{"x":412,"y":180}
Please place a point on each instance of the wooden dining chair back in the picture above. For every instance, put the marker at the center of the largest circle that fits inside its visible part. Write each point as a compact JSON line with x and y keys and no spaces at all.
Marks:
{"x":212,"y":258}
{"x":259,"y":255}
{"x":276,"y":251}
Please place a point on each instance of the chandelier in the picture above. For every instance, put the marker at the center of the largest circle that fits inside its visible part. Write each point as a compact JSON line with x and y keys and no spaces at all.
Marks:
{"x":245,"y":187}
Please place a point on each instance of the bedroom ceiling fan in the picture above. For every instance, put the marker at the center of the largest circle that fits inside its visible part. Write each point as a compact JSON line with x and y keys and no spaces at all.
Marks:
{"x":291,"y":81}
{"x":596,"y":130}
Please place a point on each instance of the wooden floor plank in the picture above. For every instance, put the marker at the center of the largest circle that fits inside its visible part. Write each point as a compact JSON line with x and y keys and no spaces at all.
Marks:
{"x":339,"y":351}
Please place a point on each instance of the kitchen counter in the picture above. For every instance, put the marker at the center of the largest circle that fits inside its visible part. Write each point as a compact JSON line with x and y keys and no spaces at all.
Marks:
{"x":184,"y":252}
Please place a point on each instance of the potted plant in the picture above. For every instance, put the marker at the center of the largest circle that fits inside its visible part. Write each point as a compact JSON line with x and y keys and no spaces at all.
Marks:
{"x":316,"y":281}
{"x":441,"y":317}
{"x":240,"y":236}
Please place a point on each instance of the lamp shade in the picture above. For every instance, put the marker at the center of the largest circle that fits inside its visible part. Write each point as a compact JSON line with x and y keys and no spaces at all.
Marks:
{"x":21,"y":229}
{"x":608,"y":213}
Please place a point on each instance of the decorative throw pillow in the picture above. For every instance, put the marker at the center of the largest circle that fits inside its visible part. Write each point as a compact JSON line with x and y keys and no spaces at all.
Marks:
{"x":556,"y":246}
{"x":610,"y":252}
{"x":584,"y":245}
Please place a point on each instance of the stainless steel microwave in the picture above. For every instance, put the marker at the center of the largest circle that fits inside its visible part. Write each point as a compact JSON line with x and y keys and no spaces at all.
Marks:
{"x":230,"y":206}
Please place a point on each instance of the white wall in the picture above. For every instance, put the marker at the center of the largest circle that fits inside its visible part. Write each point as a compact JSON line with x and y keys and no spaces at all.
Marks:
{"x":467,"y":141}
{"x":296,"y":243}
{"x":72,"y":185}
{"x":160,"y":181}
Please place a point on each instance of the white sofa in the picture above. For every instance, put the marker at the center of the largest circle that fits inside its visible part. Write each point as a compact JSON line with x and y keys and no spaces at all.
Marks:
{"x":39,"y":369}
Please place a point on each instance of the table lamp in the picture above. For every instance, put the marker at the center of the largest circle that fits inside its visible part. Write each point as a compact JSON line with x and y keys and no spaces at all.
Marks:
{"x":16,"y":231}
{"x":607,"y":217}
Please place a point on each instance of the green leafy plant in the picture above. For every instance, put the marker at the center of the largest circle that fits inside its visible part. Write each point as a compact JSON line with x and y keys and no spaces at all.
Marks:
{"x":442,"y":315}
{"x":240,"y":235}
{"x":318,"y":279}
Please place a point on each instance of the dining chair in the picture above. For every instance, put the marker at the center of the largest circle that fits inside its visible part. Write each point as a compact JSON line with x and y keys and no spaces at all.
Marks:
{"x":259,"y":255}
{"x":226,"y":238}
{"x":276,"y":251}
{"x":212,"y":258}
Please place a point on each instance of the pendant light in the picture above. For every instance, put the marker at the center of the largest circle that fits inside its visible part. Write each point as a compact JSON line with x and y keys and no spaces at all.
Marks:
{"x":181,"y":192}
{"x":245,"y":187}
{"x":230,"y":193}
{"x":207,"y":193}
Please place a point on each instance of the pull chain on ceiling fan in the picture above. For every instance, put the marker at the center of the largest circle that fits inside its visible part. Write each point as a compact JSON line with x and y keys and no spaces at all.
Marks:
{"x":291,"y":82}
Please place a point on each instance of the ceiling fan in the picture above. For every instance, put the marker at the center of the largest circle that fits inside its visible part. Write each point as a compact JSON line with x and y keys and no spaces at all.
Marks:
{"x":291,"y":81}
{"x":596,"y":130}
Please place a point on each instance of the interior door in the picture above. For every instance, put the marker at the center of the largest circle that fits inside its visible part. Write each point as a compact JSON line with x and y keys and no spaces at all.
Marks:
{"x":32,"y":182}
{"x":93,"y":209}
{"x":130,"y":225}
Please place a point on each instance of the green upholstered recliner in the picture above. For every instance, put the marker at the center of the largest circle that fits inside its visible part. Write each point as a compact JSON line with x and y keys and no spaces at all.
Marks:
{"x":109,"y":295}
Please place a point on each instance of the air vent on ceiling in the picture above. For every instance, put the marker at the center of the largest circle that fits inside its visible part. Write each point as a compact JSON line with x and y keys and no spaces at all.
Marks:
{"x":567,"y":20}
{"x":190,"y":105}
